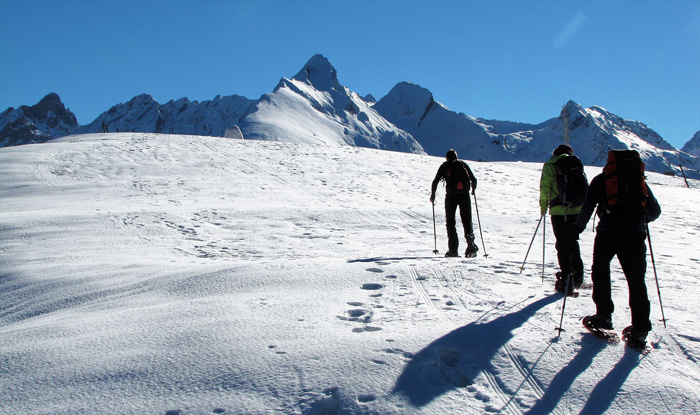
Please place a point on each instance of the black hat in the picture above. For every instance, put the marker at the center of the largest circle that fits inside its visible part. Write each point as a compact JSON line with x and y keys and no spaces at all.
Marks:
{"x":563,"y":149}
{"x":451,"y":155}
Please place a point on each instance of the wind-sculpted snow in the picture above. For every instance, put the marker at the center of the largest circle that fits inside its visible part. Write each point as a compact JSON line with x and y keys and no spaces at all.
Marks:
{"x":145,"y":273}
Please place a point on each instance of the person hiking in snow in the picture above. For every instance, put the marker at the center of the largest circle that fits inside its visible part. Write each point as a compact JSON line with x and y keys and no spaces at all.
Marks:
{"x":458,"y":178}
{"x":563,"y":186}
{"x":625,"y":206}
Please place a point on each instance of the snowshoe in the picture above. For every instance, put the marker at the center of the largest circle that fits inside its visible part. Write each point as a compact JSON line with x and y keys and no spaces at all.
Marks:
{"x":636,"y":340}
{"x":451,"y":254}
{"x":471,"y":251}
{"x":601,"y":327}
{"x":598,"y":321}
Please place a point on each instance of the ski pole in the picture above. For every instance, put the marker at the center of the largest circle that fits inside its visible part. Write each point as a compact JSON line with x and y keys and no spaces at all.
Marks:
{"x":544,"y":238}
{"x":435,"y":251}
{"x":566,"y":289}
{"x":522,"y":267}
{"x":656,"y":277}
{"x":563,"y":306}
{"x":476,"y":205}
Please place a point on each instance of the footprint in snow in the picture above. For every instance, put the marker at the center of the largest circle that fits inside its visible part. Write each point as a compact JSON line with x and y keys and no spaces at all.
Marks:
{"x":272,"y":347}
{"x":357,"y":315}
{"x":365,"y":398}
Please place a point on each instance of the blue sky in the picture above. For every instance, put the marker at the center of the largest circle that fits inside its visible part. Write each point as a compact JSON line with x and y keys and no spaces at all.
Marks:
{"x":507,"y":60}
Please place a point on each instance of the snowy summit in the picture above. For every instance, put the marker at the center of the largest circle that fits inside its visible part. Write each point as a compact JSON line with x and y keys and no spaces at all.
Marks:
{"x":178,"y":274}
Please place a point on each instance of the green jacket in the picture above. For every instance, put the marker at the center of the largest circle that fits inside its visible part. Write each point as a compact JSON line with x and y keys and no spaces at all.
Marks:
{"x":548,"y":190}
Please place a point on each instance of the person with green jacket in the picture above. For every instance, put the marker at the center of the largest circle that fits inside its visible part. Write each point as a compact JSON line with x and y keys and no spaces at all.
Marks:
{"x":563,"y":222}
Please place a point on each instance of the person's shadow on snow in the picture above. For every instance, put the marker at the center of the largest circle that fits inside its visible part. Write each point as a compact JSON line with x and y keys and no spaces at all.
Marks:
{"x":562,"y":381}
{"x":604,"y":393}
{"x":456,"y":359}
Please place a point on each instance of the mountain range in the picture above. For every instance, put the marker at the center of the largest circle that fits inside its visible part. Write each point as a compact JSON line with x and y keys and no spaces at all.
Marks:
{"x":314,"y":107}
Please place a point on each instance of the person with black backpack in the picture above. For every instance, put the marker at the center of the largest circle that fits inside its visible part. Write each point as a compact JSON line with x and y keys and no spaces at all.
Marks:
{"x":563,"y":187}
{"x":458,"y":179}
{"x":625,"y":206}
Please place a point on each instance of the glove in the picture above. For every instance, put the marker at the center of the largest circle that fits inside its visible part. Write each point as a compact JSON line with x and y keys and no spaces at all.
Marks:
{"x":578,"y":228}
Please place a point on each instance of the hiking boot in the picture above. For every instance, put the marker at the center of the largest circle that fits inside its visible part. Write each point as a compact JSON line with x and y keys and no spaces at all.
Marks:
{"x":636,"y":339}
{"x":451,"y":254}
{"x":560,"y":285}
{"x":471,"y":251}
{"x":600,"y":322}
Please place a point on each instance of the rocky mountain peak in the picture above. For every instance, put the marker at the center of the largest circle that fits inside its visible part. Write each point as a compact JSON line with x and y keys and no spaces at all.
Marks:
{"x":319,"y":72}
{"x":47,"y":119}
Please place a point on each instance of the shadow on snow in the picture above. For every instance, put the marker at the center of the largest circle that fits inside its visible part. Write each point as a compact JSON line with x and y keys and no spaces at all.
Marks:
{"x":456,"y":359}
{"x":352,"y":261}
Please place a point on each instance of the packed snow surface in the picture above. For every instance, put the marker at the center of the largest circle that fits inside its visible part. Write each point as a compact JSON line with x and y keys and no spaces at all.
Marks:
{"x":153,"y":274}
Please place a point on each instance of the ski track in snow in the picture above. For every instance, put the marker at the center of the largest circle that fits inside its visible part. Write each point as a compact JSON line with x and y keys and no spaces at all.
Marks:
{"x":177,"y":274}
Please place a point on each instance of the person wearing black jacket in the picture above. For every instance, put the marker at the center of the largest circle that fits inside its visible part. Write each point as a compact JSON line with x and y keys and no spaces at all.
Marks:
{"x":458,"y":179}
{"x":622,"y":235}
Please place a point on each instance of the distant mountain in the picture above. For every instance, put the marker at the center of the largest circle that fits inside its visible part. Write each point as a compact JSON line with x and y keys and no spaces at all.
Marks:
{"x":144,"y":114}
{"x":693,"y":146}
{"x":592,"y":132}
{"x":313,"y":107}
{"x":46,"y":120}
{"x":413,"y":109}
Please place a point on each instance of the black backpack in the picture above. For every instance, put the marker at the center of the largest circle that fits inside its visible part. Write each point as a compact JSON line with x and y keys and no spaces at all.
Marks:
{"x":625,"y":186}
{"x":572,"y":183}
{"x":457,"y":178}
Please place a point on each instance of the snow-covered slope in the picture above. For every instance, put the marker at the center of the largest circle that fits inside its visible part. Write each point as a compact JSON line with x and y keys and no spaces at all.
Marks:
{"x":693,"y":146}
{"x":594,"y":131}
{"x":313,"y":107}
{"x":145,"y":114}
{"x":438,"y":129}
{"x":153,"y":274}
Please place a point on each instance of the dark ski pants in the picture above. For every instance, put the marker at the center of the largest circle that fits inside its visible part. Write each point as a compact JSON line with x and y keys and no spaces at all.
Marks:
{"x":568,"y":250}
{"x":630,"y":248}
{"x":452,"y":201}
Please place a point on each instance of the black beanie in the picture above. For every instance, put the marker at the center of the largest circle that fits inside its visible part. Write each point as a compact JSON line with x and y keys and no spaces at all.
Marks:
{"x":563,"y":149}
{"x":451,"y":155}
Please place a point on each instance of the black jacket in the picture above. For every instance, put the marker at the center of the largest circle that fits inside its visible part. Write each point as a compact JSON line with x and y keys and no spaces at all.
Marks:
{"x":596,"y":195}
{"x":450,"y":186}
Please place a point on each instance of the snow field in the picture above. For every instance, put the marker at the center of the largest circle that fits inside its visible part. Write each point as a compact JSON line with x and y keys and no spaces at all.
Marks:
{"x":144,"y":273}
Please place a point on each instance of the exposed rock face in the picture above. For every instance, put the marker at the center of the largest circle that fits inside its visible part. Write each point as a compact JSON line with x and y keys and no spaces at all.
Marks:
{"x":36,"y":124}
